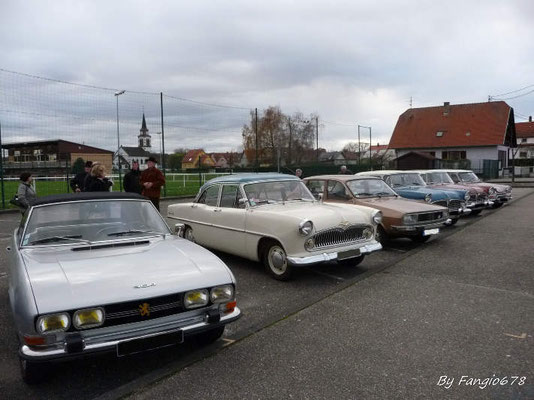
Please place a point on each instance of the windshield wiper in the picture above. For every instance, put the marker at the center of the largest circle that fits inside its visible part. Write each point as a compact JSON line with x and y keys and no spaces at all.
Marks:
{"x":131,"y":231}
{"x":380,"y":194}
{"x":75,"y":238}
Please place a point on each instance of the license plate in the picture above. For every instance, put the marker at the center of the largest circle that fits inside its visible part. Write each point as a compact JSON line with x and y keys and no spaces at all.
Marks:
{"x":134,"y":346}
{"x":428,"y":232}
{"x":344,"y":255}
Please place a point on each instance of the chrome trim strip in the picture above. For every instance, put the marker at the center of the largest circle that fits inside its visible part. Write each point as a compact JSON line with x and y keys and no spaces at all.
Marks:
{"x":319,"y":258}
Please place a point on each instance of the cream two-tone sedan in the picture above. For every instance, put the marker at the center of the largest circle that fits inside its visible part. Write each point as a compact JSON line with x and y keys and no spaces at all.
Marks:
{"x":274,"y":218}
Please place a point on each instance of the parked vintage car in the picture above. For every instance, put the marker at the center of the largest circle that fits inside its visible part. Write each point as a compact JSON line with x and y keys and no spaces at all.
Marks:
{"x":498,"y":194}
{"x":274,"y":218}
{"x":411,"y":186}
{"x":97,"y":272}
{"x":400,"y":217}
{"x":478,"y":198}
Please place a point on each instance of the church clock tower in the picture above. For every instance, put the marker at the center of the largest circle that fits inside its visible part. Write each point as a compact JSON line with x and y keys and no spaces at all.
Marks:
{"x":144,"y":137}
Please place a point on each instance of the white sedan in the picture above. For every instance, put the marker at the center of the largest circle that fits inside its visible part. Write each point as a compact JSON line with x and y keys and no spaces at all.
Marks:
{"x":274,"y":218}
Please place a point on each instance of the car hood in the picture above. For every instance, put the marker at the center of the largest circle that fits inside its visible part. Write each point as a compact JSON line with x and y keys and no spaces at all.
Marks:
{"x":419,"y":192}
{"x":63,"y":279}
{"x":395,"y":205}
{"x":447,"y":186}
{"x":322,"y":215}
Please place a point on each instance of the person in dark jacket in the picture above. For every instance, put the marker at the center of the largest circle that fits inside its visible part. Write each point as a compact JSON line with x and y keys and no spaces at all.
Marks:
{"x":77,"y":184}
{"x":152,"y":180}
{"x":131,"y":181}
{"x":344,"y":170}
{"x":97,"y":182}
{"x":25,"y":193}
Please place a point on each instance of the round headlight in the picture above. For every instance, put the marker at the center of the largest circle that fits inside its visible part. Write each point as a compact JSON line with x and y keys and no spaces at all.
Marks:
{"x":305,"y":227}
{"x":428,"y":197}
{"x":377,"y":217}
{"x":368,"y":233}
{"x":309,"y":244}
{"x":53,"y":323}
{"x":467,"y":196}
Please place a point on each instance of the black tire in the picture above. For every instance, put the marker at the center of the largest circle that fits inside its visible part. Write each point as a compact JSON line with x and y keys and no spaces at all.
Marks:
{"x":210,"y":336}
{"x":419,"y":238}
{"x":497,"y":205}
{"x":274,"y":259}
{"x":32,"y":373}
{"x":188,"y":234}
{"x":381,"y":236}
{"x":475,"y":212}
{"x":352,"y":262}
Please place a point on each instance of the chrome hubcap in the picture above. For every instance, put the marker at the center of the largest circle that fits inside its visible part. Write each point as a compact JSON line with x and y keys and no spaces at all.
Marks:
{"x":277,"y":258}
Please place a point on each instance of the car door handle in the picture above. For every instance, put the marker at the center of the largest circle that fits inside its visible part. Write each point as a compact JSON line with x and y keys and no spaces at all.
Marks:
{"x":8,"y":248}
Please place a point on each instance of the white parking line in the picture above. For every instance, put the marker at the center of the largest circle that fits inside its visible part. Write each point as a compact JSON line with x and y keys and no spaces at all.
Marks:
{"x":337,"y":278}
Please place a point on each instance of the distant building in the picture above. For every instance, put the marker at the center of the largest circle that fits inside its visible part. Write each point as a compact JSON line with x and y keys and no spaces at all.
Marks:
{"x":477,"y":136}
{"x":140,"y":153}
{"x":525,"y":139}
{"x":51,"y":157}
{"x":332,"y":158}
{"x":196,"y":158}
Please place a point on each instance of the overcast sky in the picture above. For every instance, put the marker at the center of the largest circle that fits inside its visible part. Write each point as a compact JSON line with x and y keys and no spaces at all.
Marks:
{"x":352,"y":62}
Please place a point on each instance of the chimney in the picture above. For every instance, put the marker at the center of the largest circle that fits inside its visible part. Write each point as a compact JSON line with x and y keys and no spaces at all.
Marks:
{"x":446,"y":108}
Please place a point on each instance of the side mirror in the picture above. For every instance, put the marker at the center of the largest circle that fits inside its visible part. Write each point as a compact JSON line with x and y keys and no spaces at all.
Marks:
{"x":242,"y":202}
{"x":179,"y":229}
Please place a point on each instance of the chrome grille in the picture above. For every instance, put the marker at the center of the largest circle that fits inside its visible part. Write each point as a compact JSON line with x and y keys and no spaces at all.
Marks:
{"x":443,"y":203}
{"x":454,"y":205}
{"x":430,"y":216}
{"x":338,"y":236}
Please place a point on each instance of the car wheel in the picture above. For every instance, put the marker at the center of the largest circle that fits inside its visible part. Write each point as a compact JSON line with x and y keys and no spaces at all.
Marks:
{"x":188,"y":234}
{"x":454,"y":221}
{"x":381,"y":236}
{"x":496,"y":205}
{"x":275,"y":261}
{"x":475,"y":212}
{"x":210,"y":336}
{"x":351,"y":262}
{"x":32,"y":373}
{"x":420,"y":238}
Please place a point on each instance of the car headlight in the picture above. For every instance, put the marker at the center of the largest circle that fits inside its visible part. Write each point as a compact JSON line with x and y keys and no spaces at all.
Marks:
{"x":508,"y":189}
{"x":222,"y":294}
{"x":196,"y":298}
{"x":492,"y":190}
{"x":53,"y":323}
{"x":467,"y":196}
{"x":305,"y":227}
{"x":408,"y":219}
{"x":445,"y":213}
{"x":89,"y":318}
{"x":368,"y":233}
{"x":377,"y":217}
{"x":428,"y":197}
{"x":309,"y":244}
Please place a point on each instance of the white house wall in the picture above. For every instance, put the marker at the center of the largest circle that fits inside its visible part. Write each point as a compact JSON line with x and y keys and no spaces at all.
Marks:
{"x":475,"y":154}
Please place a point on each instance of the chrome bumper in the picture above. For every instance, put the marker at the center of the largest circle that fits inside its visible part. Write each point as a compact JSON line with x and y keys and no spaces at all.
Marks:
{"x":323,"y":257}
{"x":109,"y":342}
{"x":416,"y":228}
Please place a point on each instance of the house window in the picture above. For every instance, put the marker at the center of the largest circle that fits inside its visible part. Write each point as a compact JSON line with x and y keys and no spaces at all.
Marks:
{"x":454,"y":155}
{"x":523,"y":154}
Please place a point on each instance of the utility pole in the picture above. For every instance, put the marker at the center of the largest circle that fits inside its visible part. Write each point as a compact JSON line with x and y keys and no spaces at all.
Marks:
{"x":370,"y":153}
{"x":162,"y":144}
{"x":2,"y":169}
{"x":256,"y":129}
{"x":359,"y":148}
{"x":289,"y":151}
{"x":317,"y":135}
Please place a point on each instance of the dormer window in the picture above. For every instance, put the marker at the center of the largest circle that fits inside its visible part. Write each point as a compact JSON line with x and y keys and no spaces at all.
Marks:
{"x":439,"y":133}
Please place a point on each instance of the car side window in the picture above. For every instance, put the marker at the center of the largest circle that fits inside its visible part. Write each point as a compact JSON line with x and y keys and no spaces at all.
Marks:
{"x":210,"y":196}
{"x":229,"y":197}
{"x":316,"y":188}
{"x":336,"y":190}
{"x":454,"y":177}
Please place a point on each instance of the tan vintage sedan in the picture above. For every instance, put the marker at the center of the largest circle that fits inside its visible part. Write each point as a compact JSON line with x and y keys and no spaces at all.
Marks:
{"x":400,"y":217}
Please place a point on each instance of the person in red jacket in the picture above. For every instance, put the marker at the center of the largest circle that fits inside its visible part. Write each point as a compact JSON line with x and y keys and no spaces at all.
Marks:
{"x":151,"y":181}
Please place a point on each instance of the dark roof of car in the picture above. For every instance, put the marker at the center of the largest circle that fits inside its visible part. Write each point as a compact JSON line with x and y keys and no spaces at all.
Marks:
{"x":341,"y":177}
{"x":66,"y":197}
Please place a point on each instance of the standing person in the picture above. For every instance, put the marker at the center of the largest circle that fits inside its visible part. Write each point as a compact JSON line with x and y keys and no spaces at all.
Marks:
{"x":344,"y":171}
{"x":25,"y":193}
{"x":298,"y":173}
{"x":131,"y":182}
{"x":97,"y":182}
{"x":151,"y":181}
{"x":78,"y":183}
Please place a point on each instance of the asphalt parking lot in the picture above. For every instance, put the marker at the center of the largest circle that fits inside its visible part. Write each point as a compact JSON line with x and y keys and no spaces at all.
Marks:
{"x":460,"y":305}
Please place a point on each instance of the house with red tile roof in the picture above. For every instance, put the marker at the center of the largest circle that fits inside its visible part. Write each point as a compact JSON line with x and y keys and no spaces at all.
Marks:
{"x":467,"y":133}
{"x":193,"y":157}
{"x":525,"y":139}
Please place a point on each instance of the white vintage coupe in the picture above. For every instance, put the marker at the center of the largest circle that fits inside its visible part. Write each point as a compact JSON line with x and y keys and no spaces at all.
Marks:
{"x":274,"y":218}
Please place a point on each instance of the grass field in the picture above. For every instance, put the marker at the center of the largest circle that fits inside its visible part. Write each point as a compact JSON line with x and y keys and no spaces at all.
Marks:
{"x":177,"y":185}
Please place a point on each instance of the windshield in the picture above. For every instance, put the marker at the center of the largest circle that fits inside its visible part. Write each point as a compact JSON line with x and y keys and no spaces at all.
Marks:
{"x":370,"y":188}
{"x":92,"y":221}
{"x":468,"y":177}
{"x":274,"y":192}
{"x":399,"y":180}
{"x":438,"y":178}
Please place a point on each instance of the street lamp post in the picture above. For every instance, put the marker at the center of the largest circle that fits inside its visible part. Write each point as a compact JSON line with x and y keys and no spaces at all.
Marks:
{"x":117,"y":94}
{"x":370,"y":144}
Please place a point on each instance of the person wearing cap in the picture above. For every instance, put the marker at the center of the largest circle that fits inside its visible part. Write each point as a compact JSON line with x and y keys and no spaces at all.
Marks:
{"x":78,"y":184}
{"x":131,"y":181}
{"x":151,"y":182}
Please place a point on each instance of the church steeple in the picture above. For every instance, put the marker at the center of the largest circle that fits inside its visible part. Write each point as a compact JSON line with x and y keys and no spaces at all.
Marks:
{"x":144,"y":137}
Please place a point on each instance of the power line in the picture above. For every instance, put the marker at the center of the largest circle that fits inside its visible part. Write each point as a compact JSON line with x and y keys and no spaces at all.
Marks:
{"x":513,"y":91}
{"x":515,"y":97}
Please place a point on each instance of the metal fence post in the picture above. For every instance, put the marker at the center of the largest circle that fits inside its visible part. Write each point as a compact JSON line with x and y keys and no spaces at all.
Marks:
{"x":2,"y":169}
{"x":163,"y":144}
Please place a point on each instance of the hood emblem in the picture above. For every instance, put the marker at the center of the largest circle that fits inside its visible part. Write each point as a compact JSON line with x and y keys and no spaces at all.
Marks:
{"x":144,"y":309}
{"x":144,"y":285}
